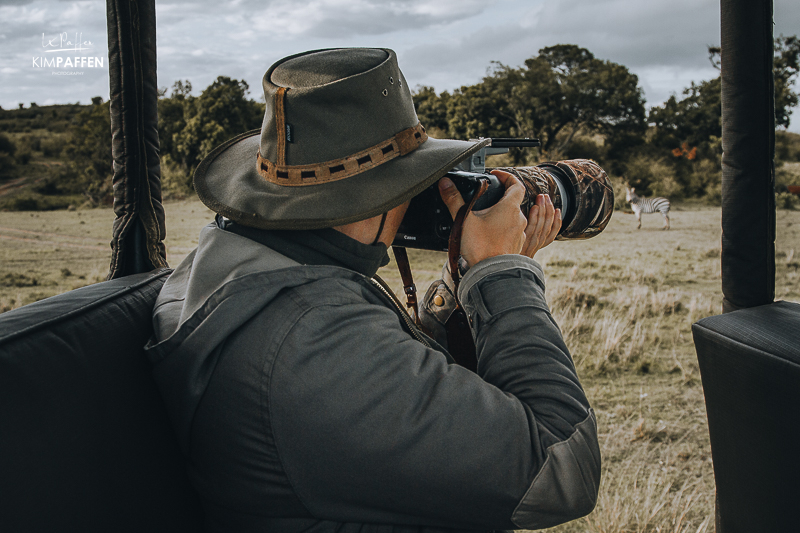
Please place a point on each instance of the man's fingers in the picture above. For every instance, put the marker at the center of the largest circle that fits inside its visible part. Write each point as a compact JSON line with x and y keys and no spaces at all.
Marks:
{"x":555,"y":228}
{"x":550,"y":212}
{"x":503,"y":176}
{"x":531,"y":239}
{"x":541,"y":201}
{"x":544,"y":223}
{"x":452,"y":198}
{"x":515,"y":190}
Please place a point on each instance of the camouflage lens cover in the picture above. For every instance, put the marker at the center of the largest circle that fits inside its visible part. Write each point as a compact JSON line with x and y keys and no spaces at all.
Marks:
{"x":585,"y":196}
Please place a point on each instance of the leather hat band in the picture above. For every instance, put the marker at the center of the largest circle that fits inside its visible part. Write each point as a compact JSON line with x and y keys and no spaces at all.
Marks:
{"x":300,"y":175}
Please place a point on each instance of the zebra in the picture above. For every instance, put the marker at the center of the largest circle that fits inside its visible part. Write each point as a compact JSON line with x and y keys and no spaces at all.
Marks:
{"x":641,"y":205}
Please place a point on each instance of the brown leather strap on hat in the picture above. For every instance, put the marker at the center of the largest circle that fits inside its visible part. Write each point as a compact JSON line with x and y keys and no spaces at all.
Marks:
{"x":401,"y":144}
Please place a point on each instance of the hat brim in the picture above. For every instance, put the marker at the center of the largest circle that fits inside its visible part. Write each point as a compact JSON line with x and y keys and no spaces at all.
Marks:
{"x":227,"y":182}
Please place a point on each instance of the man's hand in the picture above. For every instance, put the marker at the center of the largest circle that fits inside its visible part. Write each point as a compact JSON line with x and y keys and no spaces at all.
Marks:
{"x":544,"y":222}
{"x":502,"y":228}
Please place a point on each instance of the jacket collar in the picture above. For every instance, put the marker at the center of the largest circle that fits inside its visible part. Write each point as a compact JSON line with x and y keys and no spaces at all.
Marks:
{"x":316,"y":247}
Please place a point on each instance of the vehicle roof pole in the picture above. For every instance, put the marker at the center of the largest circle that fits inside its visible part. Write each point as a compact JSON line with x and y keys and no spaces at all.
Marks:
{"x":139,"y":227}
{"x":748,"y":143}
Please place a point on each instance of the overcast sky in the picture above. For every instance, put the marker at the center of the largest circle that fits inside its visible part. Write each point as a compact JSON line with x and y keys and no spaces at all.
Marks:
{"x":442,"y":43}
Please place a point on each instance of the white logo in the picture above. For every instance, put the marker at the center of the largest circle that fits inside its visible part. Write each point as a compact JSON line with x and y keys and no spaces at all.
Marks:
{"x":56,"y":47}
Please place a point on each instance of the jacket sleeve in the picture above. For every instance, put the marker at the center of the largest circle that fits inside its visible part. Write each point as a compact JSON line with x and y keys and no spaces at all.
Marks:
{"x":372,"y":425}
{"x":504,"y":299}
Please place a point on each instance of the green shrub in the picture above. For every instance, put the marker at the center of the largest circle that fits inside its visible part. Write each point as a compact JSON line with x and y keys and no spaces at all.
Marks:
{"x":585,"y":148}
{"x":652,"y":176}
{"x":7,"y":160}
{"x":786,"y":200}
{"x":31,"y":201}
{"x":24,"y":156}
{"x":786,"y":173}
{"x":703,"y":178}
{"x":176,"y":183}
{"x":787,"y":146}
{"x":52,"y":146}
{"x":618,"y":184}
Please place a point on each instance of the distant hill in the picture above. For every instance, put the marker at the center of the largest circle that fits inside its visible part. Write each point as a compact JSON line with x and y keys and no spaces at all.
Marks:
{"x":51,"y":118}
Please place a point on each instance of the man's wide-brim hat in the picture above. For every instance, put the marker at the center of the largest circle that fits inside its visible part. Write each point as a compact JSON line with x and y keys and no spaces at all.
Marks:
{"x":340,"y":142}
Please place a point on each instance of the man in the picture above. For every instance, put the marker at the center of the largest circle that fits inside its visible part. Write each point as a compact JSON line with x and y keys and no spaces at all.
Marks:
{"x":302,"y":395}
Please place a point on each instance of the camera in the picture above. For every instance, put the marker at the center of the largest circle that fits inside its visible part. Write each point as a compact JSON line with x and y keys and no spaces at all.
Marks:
{"x":579,"y":187}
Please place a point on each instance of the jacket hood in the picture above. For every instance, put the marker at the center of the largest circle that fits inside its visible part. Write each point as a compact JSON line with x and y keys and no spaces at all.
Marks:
{"x":216,"y":289}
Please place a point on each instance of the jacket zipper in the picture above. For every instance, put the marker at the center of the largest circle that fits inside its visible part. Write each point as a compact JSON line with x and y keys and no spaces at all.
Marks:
{"x":403,"y":313}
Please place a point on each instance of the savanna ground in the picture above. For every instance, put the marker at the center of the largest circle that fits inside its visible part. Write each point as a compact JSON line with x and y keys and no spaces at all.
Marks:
{"x":625,"y":302}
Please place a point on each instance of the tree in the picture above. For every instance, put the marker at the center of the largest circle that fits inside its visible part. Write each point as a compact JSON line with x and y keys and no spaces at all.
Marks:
{"x":591,"y":96}
{"x":785,"y":69}
{"x":219,"y":113}
{"x":431,"y":109}
{"x":688,"y":130}
{"x":171,"y":117}
{"x":694,"y":119}
{"x":89,"y":154}
{"x":478,"y":111}
{"x":561,"y":93}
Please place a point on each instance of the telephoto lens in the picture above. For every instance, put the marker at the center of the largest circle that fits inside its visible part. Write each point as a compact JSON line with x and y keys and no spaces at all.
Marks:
{"x":578,"y":186}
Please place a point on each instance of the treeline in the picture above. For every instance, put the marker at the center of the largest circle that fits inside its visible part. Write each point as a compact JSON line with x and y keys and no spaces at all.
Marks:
{"x":71,"y":161}
{"x":579,"y":106}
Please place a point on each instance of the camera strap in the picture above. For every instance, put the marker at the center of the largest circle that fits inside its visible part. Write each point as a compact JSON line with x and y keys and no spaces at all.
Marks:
{"x":454,"y":246}
{"x":401,"y":257}
{"x":460,"y":344}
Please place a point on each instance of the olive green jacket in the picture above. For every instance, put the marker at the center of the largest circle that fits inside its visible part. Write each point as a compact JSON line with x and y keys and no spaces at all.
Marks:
{"x":306,"y":400}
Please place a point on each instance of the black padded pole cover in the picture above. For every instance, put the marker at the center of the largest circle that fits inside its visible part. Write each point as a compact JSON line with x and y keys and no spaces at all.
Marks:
{"x":748,"y":142}
{"x":139,"y":227}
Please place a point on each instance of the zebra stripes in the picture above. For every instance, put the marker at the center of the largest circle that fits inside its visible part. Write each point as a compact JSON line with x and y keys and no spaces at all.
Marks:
{"x":641,"y":205}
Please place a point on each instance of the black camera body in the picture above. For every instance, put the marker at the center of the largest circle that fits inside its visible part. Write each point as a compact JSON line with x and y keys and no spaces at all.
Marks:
{"x":427,"y":223}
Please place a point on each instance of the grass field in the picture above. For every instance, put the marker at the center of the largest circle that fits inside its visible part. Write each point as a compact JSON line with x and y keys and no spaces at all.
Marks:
{"x":624,"y":300}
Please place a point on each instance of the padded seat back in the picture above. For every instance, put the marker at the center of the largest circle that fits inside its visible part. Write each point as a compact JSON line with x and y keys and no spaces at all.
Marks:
{"x":750,"y":366}
{"x":85,"y":443}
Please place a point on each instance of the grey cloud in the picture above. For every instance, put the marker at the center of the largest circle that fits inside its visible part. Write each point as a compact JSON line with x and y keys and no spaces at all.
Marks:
{"x":25,"y":2}
{"x":636,"y":34}
{"x":787,"y":17}
{"x":328,"y":18}
{"x":648,"y":38}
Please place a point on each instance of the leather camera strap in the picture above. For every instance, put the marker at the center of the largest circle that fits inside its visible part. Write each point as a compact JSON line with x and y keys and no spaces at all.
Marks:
{"x":454,"y":246}
{"x":401,"y":257}
{"x":460,"y":343}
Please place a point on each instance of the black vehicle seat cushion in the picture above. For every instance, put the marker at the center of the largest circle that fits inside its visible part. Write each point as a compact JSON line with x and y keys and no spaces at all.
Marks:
{"x":750,"y":366}
{"x":85,"y":444}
